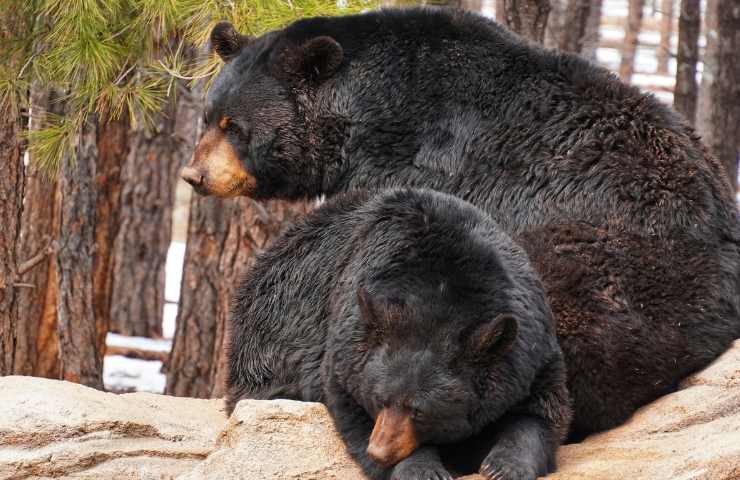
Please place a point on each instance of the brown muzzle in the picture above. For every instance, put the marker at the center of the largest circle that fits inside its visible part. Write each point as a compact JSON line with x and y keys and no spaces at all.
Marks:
{"x":393,"y":437}
{"x":215,"y":168}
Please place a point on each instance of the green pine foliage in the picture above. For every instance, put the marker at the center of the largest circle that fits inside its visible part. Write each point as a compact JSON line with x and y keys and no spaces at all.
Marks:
{"x":122,"y":57}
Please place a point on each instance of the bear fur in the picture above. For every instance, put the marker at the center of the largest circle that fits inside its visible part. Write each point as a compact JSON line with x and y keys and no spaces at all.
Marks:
{"x":632,"y":225}
{"x":419,"y":324}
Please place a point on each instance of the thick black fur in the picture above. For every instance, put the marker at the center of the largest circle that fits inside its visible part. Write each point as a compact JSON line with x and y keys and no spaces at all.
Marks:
{"x":632,"y":225}
{"x":461,"y":333}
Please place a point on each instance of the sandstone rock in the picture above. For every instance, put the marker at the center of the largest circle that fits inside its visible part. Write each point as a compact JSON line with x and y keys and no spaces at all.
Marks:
{"x":278,"y":440}
{"x":690,"y":434}
{"x":57,"y":429}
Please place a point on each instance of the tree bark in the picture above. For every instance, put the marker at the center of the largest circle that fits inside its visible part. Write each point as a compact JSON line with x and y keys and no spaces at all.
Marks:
{"x":80,"y":354}
{"x":501,"y":11}
{"x":38,"y":338}
{"x":666,"y":31}
{"x":576,"y":20}
{"x":686,"y":90}
{"x":592,"y":35}
{"x":708,"y":75}
{"x":631,"y":33}
{"x":725,"y":91}
{"x":11,"y":208}
{"x":149,"y":180}
{"x":223,"y":239}
{"x":528,"y":18}
{"x":39,"y":354}
{"x":112,"y":150}
{"x":555,"y":23}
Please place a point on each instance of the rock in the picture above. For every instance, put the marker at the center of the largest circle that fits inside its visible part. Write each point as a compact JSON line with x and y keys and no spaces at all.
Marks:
{"x":57,"y":429}
{"x":50,"y":428}
{"x":282,"y":439}
{"x":693,"y":433}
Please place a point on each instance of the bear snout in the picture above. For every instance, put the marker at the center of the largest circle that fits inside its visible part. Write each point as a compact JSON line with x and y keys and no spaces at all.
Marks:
{"x":393,"y":437}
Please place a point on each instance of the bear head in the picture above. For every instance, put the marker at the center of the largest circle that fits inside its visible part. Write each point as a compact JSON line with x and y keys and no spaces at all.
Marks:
{"x":255,"y":142}
{"x":426,"y":372}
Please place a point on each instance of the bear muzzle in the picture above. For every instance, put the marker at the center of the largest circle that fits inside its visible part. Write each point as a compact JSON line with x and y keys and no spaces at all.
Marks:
{"x":215,"y":168}
{"x":393,"y":437}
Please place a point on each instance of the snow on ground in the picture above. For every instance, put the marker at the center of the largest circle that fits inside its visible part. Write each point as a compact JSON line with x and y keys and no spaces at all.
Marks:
{"x":122,"y":374}
{"x":139,"y":343}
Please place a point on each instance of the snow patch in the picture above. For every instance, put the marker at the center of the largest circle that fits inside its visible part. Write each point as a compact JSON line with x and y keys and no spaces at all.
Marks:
{"x":129,"y":374}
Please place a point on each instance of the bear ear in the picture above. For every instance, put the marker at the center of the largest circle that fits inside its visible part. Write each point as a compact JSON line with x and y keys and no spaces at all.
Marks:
{"x":317,"y":59}
{"x":226,"y":41}
{"x":494,"y":337}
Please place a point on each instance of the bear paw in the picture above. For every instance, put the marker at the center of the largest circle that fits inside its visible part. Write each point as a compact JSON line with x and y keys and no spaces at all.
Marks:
{"x":502,"y":470}
{"x":411,"y":470}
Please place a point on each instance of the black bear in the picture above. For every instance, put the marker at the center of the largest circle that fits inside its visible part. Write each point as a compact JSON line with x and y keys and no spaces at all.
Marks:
{"x":591,"y":175}
{"x":419,"y":324}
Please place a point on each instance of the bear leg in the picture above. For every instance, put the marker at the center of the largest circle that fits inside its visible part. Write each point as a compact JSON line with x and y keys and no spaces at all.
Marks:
{"x":525,"y":441}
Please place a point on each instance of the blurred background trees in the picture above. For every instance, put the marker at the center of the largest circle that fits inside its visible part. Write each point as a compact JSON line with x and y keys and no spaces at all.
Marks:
{"x":101,"y":105}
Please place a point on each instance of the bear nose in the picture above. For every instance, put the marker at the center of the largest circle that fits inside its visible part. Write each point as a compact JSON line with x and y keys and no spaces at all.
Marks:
{"x":192,"y":176}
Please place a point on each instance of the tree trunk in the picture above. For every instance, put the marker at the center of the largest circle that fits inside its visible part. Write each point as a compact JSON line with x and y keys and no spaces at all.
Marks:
{"x":39,"y":355}
{"x":112,"y":150}
{"x":686,"y":90}
{"x":223,"y":238}
{"x":631,"y":33}
{"x":472,"y":5}
{"x":149,"y":180}
{"x":37,"y":251}
{"x":80,"y":354}
{"x":576,"y":20}
{"x":725,"y":91}
{"x":592,"y":35}
{"x":708,"y":75}
{"x":501,"y":11}
{"x":528,"y":18}
{"x":11,"y":208}
{"x":666,"y":30}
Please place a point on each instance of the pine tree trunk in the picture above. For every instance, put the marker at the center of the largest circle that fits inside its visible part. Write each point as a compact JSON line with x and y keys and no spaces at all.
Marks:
{"x":472,"y":5}
{"x":631,"y":33}
{"x":725,"y":93}
{"x":708,"y":75}
{"x":149,"y":179}
{"x":112,"y":151}
{"x":223,"y":238}
{"x":592,"y":35}
{"x":576,"y":20}
{"x":666,"y":30}
{"x":11,"y":209}
{"x":37,"y":332}
{"x":528,"y":18}
{"x":686,"y":90}
{"x":80,"y":354}
{"x":39,"y":233}
{"x":501,"y":11}
{"x":555,"y":23}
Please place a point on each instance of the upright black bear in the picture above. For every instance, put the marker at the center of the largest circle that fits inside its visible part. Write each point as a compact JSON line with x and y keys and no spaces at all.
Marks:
{"x":421,"y":326}
{"x":631,"y":224}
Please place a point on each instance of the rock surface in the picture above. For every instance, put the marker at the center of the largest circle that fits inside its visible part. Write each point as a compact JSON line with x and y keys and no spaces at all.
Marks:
{"x":53,"y":429}
{"x":275,"y":440}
